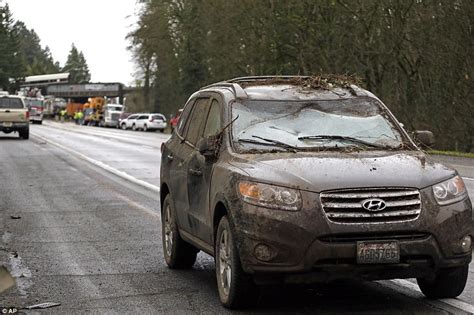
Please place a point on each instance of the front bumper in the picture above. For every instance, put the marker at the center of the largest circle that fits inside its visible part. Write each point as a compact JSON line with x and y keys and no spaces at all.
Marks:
{"x":307,"y":242}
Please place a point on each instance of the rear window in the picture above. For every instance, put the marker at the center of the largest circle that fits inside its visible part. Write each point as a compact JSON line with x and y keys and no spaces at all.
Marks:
{"x":6,"y":102}
{"x":159,"y":117}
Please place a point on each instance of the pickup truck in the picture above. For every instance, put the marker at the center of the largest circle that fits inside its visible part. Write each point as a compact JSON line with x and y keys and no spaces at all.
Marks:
{"x":14,"y":116}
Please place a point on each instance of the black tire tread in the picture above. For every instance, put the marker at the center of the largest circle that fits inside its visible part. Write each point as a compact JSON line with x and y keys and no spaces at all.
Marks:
{"x":183,"y":255}
{"x":244,"y":292}
{"x":448,"y":283}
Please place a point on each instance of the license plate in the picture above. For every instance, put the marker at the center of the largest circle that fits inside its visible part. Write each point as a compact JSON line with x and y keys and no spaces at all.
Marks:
{"x":378,"y":252}
{"x":7,"y":124}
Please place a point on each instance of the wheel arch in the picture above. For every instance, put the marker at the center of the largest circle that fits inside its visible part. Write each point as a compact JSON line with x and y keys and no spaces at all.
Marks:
{"x":220,"y":210}
{"x":164,"y":191}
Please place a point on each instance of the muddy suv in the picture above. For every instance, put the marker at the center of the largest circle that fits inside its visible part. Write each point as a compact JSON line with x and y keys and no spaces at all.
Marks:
{"x":308,"y":179}
{"x":14,"y":116}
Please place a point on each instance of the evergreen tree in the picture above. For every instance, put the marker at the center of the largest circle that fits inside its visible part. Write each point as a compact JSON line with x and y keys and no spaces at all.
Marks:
{"x":11,"y":64}
{"x":76,"y":65}
{"x":37,"y":59}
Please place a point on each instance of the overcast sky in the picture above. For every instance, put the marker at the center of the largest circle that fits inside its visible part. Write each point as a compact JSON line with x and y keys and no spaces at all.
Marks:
{"x":97,"y":28}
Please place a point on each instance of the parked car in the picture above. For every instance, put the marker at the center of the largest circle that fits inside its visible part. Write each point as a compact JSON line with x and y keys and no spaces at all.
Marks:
{"x":304,"y":179}
{"x":127,"y":123}
{"x":147,"y":122}
{"x":14,"y":116}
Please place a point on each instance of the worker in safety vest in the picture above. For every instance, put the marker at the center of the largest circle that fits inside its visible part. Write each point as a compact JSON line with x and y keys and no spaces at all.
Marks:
{"x":63,"y":113}
{"x":80,"y":117}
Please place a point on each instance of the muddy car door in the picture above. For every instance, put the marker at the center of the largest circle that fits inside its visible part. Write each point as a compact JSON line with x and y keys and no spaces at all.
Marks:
{"x":194,"y":129}
{"x":174,"y":157}
{"x":199,"y":178}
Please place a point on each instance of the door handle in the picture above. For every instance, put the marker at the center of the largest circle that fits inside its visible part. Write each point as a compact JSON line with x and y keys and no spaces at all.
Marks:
{"x":170,"y":157}
{"x":195,"y":172}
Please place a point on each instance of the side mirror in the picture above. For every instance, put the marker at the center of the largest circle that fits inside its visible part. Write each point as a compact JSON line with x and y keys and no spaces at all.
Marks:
{"x":425,"y":137}
{"x":209,"y":147}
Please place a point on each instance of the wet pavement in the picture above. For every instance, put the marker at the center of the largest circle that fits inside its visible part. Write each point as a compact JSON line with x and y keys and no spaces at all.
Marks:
{"x":90,"y":240}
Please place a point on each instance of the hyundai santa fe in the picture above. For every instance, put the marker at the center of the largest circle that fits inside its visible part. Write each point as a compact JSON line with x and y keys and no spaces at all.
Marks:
{"x":306,"y":180}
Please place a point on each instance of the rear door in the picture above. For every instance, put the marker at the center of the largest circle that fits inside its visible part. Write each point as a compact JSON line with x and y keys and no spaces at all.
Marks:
{"x":12,"y":110}
{"x":141,"y":120}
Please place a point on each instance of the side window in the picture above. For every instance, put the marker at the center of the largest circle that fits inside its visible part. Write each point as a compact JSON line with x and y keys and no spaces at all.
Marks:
{"x":184,"y":116}
{"x":143,"y":117}
{"x":132,"y":117}
{"x":197,"y":120}
{"x":213,"y":123}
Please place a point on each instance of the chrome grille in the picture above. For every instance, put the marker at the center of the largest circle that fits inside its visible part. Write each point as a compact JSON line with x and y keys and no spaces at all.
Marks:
{"x":345,"y":206}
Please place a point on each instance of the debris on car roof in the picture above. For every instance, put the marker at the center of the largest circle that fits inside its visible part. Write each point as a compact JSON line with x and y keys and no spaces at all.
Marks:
{"x":324,"y":81}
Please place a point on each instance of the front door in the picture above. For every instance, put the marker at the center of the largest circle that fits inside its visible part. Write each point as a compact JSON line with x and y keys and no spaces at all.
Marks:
{"x":193,"y":130}
{"x":199,"y":178}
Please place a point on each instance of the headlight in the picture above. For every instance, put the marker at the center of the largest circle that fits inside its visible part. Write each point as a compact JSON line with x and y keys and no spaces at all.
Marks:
{"x":449,"y":191}
{"x":270,"y":196}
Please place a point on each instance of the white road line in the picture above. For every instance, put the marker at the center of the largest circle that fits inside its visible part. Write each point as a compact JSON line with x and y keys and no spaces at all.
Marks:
{"x":139,"y":207}
{"x":452,"y":302}
{"x":103,"y":166}
{"x":467,"y":178}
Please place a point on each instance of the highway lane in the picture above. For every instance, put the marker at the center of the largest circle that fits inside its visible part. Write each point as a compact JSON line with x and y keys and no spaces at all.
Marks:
{"x":92,"y":242}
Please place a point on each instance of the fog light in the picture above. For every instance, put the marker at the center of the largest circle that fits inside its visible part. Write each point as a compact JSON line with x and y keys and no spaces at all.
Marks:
{"x":263,"y":252}
{"x":466,"y":244}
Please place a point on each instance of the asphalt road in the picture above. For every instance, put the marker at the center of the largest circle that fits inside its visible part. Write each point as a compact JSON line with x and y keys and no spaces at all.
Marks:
{"x":79,"y":227}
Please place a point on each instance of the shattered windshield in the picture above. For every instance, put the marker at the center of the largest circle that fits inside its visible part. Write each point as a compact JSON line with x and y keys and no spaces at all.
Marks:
{"x":329,"y":124}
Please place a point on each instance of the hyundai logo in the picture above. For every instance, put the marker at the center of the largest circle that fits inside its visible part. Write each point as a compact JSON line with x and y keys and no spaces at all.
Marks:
{"x":374,"y":204}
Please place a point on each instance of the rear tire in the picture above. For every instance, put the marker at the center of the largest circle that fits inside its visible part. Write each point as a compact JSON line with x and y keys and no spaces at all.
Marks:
{"x":236,"y":288}
{"x":145,"y":128}
{"x":24,"y":134}
{"x":40,"y":122}
{"x":178,"y":254}
{"x":448,"y":283}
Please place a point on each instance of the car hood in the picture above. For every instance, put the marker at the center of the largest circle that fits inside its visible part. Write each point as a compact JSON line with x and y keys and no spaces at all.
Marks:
{"x":327,"y":171}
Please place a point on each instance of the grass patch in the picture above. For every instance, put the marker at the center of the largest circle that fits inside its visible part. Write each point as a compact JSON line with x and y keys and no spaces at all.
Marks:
{"x":452,"y":153}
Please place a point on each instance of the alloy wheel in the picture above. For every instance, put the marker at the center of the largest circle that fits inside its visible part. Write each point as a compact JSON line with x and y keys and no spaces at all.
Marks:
{"x":225,"y":261}
{"x":168,"y":231}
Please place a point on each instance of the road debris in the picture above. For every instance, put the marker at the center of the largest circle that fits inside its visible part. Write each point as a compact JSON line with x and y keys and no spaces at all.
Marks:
{"x":6,"y":280}
{"x":42,"y":306}
{"x":15,"y":217}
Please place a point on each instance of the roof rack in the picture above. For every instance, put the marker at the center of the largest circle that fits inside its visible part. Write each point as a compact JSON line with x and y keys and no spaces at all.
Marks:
{"x":356,"y":90}
{"x":266,"y":77}
{"x":238,"y":91}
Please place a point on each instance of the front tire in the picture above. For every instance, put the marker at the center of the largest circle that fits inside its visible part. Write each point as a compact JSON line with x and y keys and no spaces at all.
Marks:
{"x":134,"y":127}
{"x":178,"y":254}
{"x":448,"y":283}
{"x":236,"y":288}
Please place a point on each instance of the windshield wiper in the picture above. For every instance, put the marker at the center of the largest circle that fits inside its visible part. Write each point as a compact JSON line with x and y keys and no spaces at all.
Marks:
{"x":269,"y":142}
{"x":344,"y":138}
